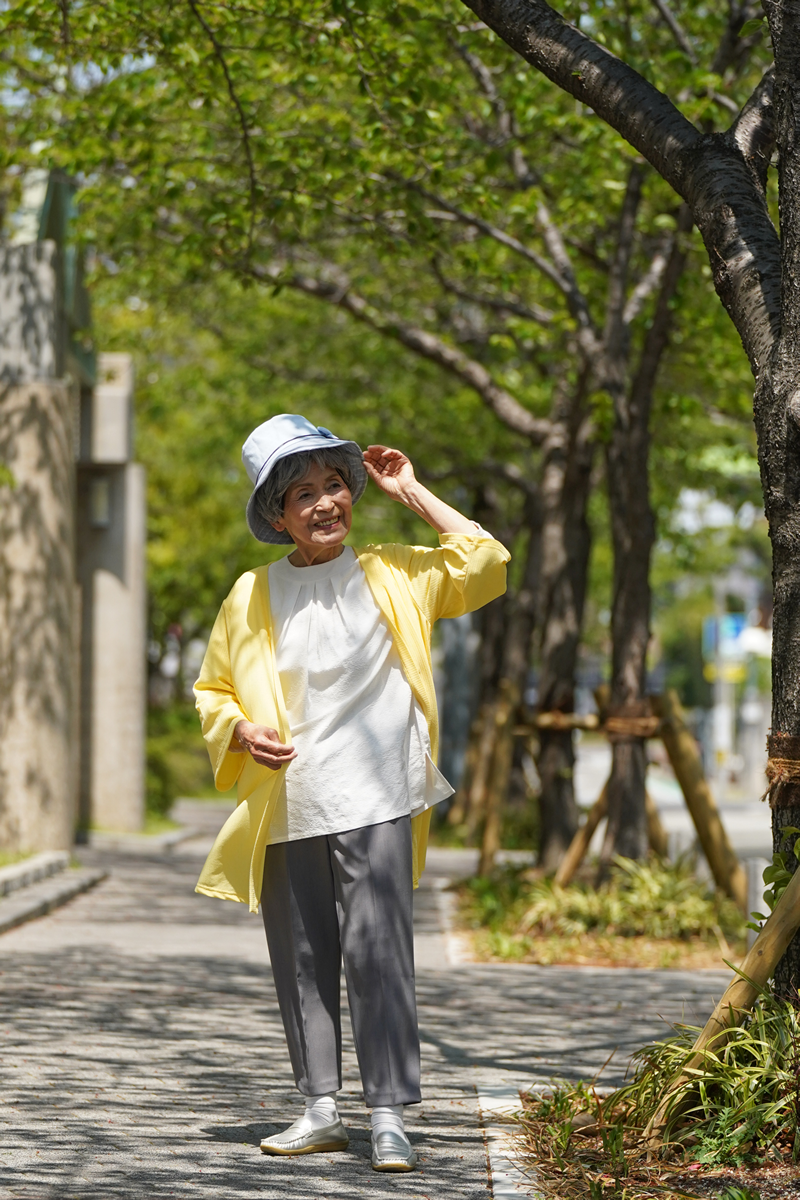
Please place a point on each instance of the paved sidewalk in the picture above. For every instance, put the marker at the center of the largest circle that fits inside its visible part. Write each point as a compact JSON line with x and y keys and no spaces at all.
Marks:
{"x":142,"y":1054}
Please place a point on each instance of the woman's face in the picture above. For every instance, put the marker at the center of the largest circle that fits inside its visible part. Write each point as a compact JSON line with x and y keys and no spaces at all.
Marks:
{"x":317,"y":514}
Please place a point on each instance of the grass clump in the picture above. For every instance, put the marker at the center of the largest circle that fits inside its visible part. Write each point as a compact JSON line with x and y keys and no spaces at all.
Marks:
{"x":733,"y":1123}
{"x":741,"y":1103}
{"x":520,"y":916}
{"x":10,"y":858}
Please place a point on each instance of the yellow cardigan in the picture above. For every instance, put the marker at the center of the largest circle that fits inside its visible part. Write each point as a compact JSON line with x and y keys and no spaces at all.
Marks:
{"x":413,"y":586}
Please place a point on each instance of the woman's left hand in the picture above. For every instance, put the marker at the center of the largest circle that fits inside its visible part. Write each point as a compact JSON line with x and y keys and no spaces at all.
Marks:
{"x":390,"y":470}
{"x":394,"y":475}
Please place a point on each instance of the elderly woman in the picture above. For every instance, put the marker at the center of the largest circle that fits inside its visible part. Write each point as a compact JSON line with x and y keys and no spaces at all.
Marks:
{"x":316,"y":697}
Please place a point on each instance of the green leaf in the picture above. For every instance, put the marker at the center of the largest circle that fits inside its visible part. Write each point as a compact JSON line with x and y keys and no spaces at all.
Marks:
{"x":756,"y":25}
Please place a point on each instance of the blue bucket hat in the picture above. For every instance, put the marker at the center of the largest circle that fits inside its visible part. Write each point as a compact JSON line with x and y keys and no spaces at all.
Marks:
{"x":278,"y":438}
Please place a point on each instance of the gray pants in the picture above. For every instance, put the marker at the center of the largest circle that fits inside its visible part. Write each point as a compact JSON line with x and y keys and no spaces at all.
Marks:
{"x":346,"y":896}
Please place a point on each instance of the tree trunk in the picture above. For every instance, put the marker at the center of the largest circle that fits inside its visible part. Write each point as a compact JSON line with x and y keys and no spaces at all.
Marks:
{"x":566,"y":541}
{"x":516,"y":661}
{"x":475,"y":800}
{"x":633,"y":536}
{"x":777,"y":414}
{"x":505,"y":712}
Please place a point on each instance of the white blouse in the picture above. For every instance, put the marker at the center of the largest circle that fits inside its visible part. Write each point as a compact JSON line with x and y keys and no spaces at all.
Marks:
{"x":363,"y":750}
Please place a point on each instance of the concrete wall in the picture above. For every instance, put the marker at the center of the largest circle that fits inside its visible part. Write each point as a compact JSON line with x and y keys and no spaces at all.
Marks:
{"x":31,"y":340}
{"x":38,"y":618}
{"x":111,"y":571}
{"x":72,"y":535}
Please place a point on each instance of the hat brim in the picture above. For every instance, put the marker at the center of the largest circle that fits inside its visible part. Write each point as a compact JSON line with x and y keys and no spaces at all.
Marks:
{"x":262,"y":529}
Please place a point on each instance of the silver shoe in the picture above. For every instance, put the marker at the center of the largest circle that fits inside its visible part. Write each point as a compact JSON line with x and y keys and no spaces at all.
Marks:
{"x":314,"y":1141}
{"x":392,"y":1152}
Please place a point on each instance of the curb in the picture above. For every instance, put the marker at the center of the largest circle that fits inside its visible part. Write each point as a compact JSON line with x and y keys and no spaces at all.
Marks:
{"x":508,"y":1180}
{"x":141,"y":843}
{"x":39,"y":899}
{"x":31,"y":870}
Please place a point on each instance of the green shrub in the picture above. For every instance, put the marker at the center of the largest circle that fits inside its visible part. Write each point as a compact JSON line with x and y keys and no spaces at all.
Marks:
{"x":177,"y":759}
{"x":160,"y":789}
{"x":655,"y":899}
{"x":743,"y":1099}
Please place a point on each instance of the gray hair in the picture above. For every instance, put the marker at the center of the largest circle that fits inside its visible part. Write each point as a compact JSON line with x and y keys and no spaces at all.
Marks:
{"x":270,"y":497}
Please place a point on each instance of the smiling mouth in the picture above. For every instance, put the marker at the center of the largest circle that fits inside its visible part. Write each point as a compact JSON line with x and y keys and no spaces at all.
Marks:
{"x":328,"y":524}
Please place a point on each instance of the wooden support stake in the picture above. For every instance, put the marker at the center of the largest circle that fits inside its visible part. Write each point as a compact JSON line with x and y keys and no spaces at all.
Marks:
{"x":728,"y":873}
{"x":741,"y":993}
{"x":656,"y":833}
{"x":565,"y":720}
{"x":580,"y":843}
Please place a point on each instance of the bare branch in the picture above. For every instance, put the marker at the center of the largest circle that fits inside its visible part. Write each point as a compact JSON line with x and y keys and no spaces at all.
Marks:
{"x":237,"y":104}
{"x":576,"y":300}
{"x":506,"y":126}
{"x":658,"y":332}
{"x":483,"y":77}
{"x":649,"y":281}
{"x":724,"y":101}
{"x":492,"y":231}
{"x":618,"y":276}
{"x":501,"y":304}
{"x":513,"y":475}
{"x":427,"y":345}
{"x":733,"y":49}
{"x":677,"y":30}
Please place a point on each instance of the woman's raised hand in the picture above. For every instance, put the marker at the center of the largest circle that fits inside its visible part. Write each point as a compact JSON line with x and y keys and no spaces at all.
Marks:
{"x":390,"y":470}
{"x":394,"y":475}
{"x":263,"y":744}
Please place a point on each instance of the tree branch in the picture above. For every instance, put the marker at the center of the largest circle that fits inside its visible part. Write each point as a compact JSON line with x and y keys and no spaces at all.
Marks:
{"x":427,"y":345}
{"x":618,"y":277}
{"x":492,"y":231}
{"x":534,"y":313}
{"x":513,"y":475}
{"x":649,"y":281}
{"x":559,"y":271}
{"x":658,"y":332}
{"x":707,"y":170}
{"x":483,"y":77}
{"x":576,"y":301}
{"x":733,"y":48}
{"x":643,"y":115}
{"x":237,"y":104}
{"x":753,"y":131}
{"x":506,"y":126}
{"x":677,"y":30}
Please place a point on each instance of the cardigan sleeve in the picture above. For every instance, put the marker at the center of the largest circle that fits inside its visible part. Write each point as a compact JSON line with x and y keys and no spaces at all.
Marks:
{"x":463,"y":574}
{"x":219,"y":706}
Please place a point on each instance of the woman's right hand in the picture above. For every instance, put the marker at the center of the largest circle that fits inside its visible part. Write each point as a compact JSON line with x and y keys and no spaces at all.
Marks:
{"x":264,"y":745}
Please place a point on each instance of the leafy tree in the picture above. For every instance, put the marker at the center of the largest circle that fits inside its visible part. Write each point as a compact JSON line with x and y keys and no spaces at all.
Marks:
{"x":724,"y":179}
{"x":400,"y":169}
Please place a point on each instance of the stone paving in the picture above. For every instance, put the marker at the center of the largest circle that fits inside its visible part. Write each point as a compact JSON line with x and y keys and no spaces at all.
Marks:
{"x":142,"y":1053}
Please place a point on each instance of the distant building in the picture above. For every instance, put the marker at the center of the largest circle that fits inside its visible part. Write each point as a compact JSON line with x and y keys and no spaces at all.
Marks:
{"x":72,"y":532}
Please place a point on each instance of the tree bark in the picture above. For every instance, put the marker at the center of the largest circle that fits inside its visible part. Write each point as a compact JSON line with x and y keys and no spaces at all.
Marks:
{"x":516,"y":661}
{"x":566,"y":541}
{"x":633,"y":536}
{"x":777,"y":412}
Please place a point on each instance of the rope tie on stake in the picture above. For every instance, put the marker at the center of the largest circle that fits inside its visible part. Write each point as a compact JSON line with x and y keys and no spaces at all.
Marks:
{"x":631,"y":722}
{"x":783,"y":767}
